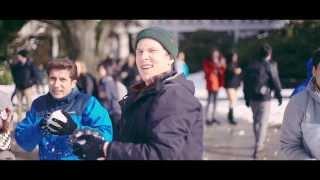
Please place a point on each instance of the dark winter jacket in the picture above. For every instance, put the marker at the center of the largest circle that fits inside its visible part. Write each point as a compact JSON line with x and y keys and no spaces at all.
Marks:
{"x":233,"y":80}
{"x":24,"y":75}
{"x":87,"y":84}
{"x":260,"y":79}
{"x":160,"y":122}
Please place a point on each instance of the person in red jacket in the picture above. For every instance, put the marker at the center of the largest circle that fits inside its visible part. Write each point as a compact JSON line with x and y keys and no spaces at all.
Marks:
{"x":213,"y":71}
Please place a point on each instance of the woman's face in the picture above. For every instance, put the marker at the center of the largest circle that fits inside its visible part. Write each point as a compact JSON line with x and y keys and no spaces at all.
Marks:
{"x":215,"y":56}
{"x":102,"y":71}
{"x":235,"y":57}
{"x":152,"y":59}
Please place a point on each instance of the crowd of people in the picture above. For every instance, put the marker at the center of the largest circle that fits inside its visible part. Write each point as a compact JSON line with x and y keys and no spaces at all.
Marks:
{"x":147,"y":109}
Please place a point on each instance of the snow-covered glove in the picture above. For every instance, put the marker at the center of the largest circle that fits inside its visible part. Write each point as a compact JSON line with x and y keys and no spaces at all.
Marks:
{"x":59,"y":123}
{"x":88,"y":145}
{"x":6,"y":117}
{"x":5,"y":138}
{"x":5,"y":141}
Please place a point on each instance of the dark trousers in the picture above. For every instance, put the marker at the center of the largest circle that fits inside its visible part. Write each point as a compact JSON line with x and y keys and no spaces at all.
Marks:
{"x":261,"y":113}
{"x":212,"y":97}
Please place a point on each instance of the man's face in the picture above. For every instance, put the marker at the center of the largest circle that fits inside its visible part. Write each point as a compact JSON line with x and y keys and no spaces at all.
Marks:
{"x":60,"y":83}
{"x":21,"y":59}
{"x":152,"y":59}
{"x":316,"y":74}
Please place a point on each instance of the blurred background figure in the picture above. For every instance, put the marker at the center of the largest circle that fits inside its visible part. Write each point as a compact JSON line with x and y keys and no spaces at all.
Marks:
{"x":180,"y":64}
{"x":213,"y":72}
{"x":25,"y":76}
{"x":110,"y":90}
{"x":222,"y":70}
{"x":232,"y":83}
{"x":260,"y":80}
{"x":43,"y":79}
{"x":86,"y":82}
{"x":129,"y":72}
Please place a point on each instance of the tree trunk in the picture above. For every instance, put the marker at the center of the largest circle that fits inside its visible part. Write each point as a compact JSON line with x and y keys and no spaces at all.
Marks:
{"x":83,"y":42}
{"x":89,"y":41}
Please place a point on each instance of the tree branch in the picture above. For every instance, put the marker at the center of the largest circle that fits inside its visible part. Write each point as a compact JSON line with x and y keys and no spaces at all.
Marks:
{"x":54,"y":23}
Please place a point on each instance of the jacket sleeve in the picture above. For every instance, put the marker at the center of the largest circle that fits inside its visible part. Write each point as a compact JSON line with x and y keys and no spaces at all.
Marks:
{"x":291,"y":144}
{"x":246,"y":85}
{"x":35,"y":74}
{"x":170,"y":122}
{"x":97,"y":117}
{"x":27,"y":132}
{"x":276,"y":84}
{"x":206,"y":68}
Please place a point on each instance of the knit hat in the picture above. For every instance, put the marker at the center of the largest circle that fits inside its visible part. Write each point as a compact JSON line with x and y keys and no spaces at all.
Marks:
{"x":165,"y":38}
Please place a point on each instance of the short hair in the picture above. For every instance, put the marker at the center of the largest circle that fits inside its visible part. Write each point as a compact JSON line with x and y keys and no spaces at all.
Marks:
{"x":62,"y":64}
{"x":316,"y":58}
{"x":264,"y":50}
{"x":229,"y":56}
{"x":23,"y":53}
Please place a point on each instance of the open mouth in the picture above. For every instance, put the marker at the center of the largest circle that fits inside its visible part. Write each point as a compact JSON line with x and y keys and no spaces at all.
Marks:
{"x":146,"y":66}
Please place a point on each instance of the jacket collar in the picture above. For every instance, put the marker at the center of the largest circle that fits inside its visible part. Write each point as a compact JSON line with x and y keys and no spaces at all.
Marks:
{"x":313,"y":89}
{"x":140,"y":89}
{"x":141,"y":86}
{"x":66,"y":99}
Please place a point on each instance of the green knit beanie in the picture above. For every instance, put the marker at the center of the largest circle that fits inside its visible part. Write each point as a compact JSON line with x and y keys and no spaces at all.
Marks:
{"x":165,"y":38}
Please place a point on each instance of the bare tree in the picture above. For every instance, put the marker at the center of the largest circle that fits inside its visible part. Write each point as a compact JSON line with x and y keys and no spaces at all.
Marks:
{"x":89,"y":40}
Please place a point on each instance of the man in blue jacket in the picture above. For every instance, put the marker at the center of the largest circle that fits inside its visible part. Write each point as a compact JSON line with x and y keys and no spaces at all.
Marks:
{"x":55,"y":116}
{"x":300,"y":87}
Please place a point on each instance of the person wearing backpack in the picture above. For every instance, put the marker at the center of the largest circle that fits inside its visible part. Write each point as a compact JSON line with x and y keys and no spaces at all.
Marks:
{"x":260,"y":79}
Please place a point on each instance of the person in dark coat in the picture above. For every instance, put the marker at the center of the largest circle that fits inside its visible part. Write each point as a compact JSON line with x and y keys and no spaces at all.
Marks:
{"x":129,"y":72}
{"x":213,"y":73}
{"x":86,"y":83}
{"x":161,"y":117}
{"x":232,"y":83}
{"x":25,"y":76}
{"x":260,"y":79}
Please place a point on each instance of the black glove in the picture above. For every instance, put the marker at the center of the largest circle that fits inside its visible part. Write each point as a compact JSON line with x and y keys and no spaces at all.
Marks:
{"x":43,"y":124}
{"x":88,"y":145}
{"x":60,"y":123}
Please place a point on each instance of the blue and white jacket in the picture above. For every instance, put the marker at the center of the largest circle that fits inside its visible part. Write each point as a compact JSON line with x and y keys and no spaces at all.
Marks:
{"x":85,"y":110}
